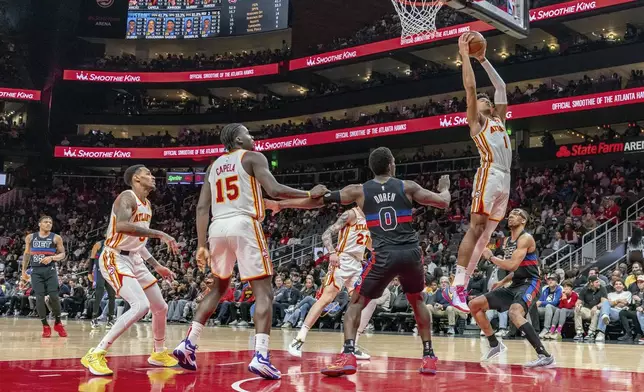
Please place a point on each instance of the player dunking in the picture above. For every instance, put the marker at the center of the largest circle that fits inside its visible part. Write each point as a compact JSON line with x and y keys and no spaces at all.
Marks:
{"x":521,"y":258}
{"x":233,"y":192}
{"x":122,"y":264}
{"x":345,"y":267}
{"x":41,"y":250}
{"x":491,"y":191}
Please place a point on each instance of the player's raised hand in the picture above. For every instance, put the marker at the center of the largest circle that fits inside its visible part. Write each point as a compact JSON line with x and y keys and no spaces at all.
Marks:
{"x":173,"y":247}
{"x":464,"y":44}
{"x":318,"y":191}
{"x":487,"y":254}
{"x":443,"y":183}
{"x":203,"y":257}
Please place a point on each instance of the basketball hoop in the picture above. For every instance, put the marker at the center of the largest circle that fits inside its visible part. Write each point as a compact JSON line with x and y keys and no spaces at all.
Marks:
{"x":417,"y":18}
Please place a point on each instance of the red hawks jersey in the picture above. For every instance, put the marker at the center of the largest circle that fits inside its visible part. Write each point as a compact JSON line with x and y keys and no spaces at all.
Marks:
{"x":353,"y":239}
{"x":494,"y":145}
{"x":234,"y":192}
{"x":142,"y":216}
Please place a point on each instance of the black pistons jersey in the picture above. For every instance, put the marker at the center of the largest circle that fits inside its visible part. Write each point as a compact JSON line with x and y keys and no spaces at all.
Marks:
{"x":41,"y":247}
{"x":388,"y":213}
{"x":528,"y":270}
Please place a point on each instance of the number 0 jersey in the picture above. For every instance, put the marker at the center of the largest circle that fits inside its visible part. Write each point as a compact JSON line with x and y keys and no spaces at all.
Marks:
{"x":353,"y":239}
{"x":388,"y":212}
{"x":234,"y":192}
{"x":142,"y":216}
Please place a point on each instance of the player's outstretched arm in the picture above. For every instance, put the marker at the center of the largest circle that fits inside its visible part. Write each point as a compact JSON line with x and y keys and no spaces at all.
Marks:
{"x":428,"y":198}
{"x":500,"y":92}
{"x":469,"y":83}
{"x":523,"y":245}
{"x":271,"y":186}
{"x":154,"y":263}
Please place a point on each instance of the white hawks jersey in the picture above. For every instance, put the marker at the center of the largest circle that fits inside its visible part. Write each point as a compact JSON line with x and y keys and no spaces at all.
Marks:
{"x":494,"y":145}
{"x":234,"y":192}
{"x":142,"y":217}
{"x":353,"y":239}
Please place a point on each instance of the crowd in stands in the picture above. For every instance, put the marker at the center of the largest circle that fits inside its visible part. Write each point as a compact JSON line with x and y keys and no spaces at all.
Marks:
{"x":564,"y":203}
{"x":11,"y":135}
{"x":191,"y":137}
{"x":179,"y":62}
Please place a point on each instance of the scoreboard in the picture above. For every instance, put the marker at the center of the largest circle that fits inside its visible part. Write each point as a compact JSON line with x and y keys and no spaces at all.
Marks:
{"x":176,"y":19}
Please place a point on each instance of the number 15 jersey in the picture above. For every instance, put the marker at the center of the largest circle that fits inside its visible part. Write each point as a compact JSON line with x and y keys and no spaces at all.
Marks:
{"x":388,"y":213}
{"x":234,"y":192}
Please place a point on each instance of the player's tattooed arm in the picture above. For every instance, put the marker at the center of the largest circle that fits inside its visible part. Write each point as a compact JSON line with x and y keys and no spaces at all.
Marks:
{"x":347,"y":217}
{"x":60,"y":248}
{"x":124,"y":207}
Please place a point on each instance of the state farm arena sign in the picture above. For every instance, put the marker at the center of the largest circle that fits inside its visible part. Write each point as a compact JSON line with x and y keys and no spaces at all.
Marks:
{"x":601,"y":148}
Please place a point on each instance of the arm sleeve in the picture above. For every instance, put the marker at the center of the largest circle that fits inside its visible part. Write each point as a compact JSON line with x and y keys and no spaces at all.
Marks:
{"x":500,"y":95}
{"x":145,"y":253}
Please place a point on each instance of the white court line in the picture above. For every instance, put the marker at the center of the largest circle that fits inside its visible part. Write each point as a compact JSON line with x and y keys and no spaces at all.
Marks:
{"x":221,"y":364}
{"x":231,"y":363}
{"x":56,"y":370}
{"x":50,"y":375}
{"x":237,"y":385}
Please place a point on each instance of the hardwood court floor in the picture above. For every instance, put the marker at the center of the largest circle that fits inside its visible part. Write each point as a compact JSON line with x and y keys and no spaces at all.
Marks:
{"x":29,"y":362}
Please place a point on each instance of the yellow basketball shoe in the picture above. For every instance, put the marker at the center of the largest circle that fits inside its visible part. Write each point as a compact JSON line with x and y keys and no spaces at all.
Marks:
{"x":162,"y":358}
{"x":96,"y":362}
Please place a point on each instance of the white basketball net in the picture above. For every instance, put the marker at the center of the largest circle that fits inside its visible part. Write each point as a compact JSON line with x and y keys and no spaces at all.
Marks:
{"x":417,"y":18}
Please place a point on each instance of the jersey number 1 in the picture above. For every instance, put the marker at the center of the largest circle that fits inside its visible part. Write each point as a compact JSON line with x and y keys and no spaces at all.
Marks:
{"x":227,"y":188}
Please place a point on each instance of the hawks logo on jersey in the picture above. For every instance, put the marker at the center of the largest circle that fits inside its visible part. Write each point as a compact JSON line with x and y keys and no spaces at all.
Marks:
{"x":494,"y":144}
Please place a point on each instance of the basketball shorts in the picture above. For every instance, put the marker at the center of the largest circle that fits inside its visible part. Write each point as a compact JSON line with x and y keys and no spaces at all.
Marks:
{"x":525,"y":293}
{"x":114,"y":267}
{"x":491,"y":192}
{"x":239,"y":239}
{"x":346,"y":275}
{"x":387,"y":263}
{"x":44,"y":279}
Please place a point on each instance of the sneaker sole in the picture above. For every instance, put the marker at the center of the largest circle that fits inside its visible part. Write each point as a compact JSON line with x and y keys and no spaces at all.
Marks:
{"x":295,"y":354}
{"x":363,"y":358}
{"x":550,"y":365}
{"x":503,"y":349}
{"x":427,"y":371}
{"x":183,"y":363}
{"x":160,"y":364}
{"x":86,"y":365}
{"x":345,"y":371}
{"x":449,"y":299}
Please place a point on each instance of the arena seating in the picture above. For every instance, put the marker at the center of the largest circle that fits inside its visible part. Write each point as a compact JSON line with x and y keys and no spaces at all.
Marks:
{"x":569,"y":199}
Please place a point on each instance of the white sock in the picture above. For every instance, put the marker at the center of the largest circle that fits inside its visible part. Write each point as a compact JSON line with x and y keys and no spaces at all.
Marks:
{"x":159,"y":310}
{"x":195,"y":332}
{"x":261,"y":344}
{"x":459,"y":279}
{"x":357,"y":337}
{"x":303,"y":332}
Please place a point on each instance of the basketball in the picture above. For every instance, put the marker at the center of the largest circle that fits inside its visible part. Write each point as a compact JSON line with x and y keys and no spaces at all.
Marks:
{"x":477,"y":44}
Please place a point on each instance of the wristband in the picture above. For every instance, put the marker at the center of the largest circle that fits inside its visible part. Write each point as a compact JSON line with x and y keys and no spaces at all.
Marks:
{"x":308,"y":194}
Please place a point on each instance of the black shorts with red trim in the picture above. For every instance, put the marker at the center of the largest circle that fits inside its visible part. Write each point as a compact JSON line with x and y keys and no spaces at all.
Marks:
{"x":386,"y":263}
{"x":525,"y":293}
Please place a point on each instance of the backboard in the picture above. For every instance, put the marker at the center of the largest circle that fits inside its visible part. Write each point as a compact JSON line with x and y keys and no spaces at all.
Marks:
{"x":509,"y":16}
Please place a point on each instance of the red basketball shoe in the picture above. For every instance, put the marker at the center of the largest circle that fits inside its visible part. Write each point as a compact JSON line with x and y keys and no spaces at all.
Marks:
{"x":429,"y":365}
{"x":344,"y":365}
{"x":60,"y":329}
{"x":46,"y":331}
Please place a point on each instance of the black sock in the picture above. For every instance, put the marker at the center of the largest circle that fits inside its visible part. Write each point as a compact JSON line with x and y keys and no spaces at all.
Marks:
{"x":533,"y":338}
{"x":57,"y":320}
{"x":44,"y":322}
{"x":349,"y":346}
{"x":428,"y":350}
{"x":493,"y":341}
